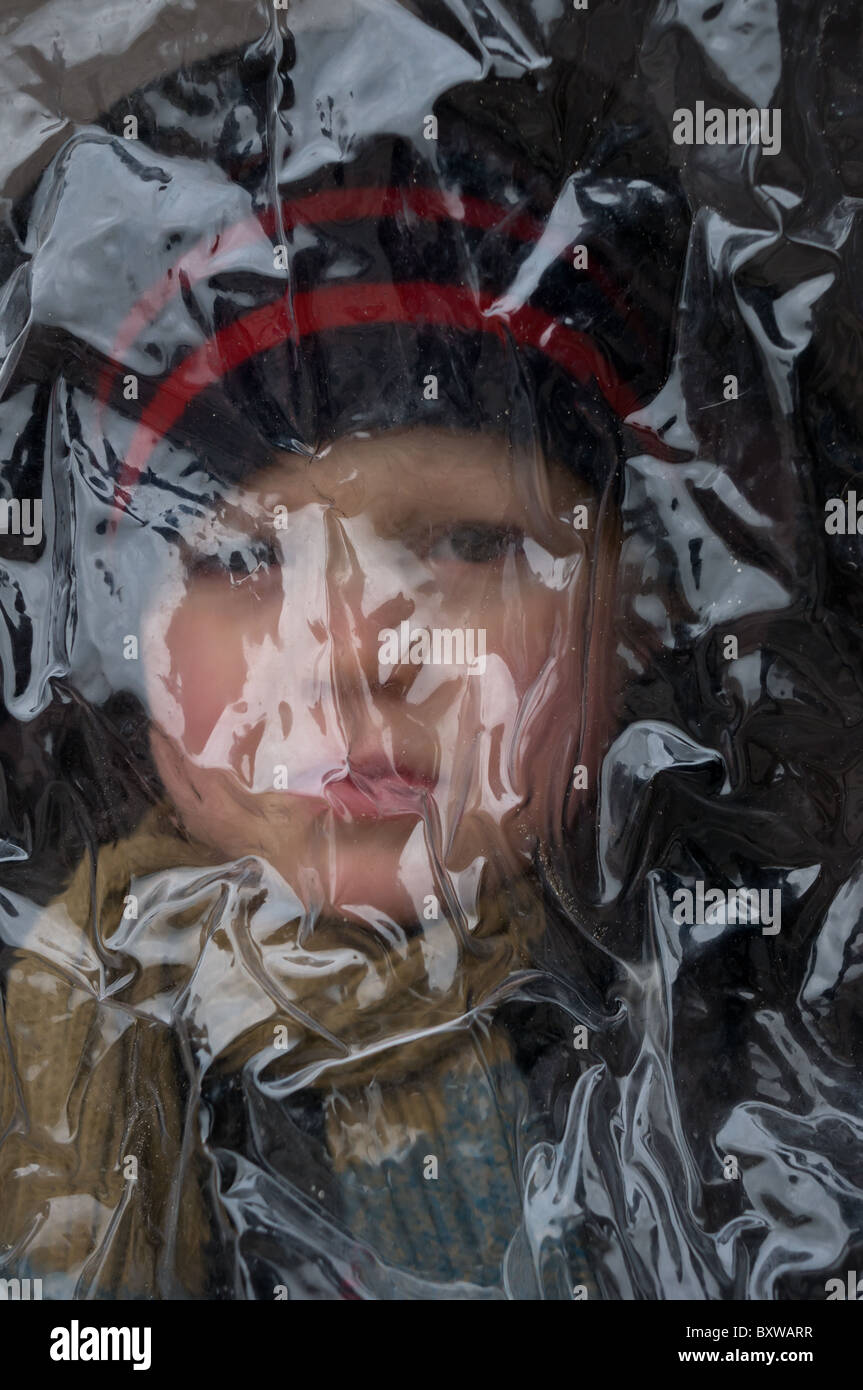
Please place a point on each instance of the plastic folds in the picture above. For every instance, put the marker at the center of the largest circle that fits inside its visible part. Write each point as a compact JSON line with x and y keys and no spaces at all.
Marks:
{"x":430,"y":581}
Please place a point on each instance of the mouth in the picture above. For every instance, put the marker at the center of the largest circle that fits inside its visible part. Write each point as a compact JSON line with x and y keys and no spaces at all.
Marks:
{"x":378,"y":790}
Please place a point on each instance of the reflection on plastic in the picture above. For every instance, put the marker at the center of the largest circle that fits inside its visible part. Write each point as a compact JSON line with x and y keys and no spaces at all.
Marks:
{"x":430,"y":825}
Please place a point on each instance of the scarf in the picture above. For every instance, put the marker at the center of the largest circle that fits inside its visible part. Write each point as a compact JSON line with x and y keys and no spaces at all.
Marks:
{"x":161,"y":967}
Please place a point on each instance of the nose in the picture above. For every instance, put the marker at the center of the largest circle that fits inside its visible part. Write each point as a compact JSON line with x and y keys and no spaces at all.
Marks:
{"x":367,"y":590}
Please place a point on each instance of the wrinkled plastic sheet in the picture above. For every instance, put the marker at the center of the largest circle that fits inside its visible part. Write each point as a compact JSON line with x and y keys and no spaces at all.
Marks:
{"x":430,"y":650}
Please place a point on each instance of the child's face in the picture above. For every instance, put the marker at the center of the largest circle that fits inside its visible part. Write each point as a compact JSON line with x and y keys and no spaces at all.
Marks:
{"x":296,"y":718}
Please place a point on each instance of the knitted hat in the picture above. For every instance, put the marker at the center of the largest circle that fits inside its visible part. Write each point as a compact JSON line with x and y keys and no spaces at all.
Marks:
{"x":397,"y":287}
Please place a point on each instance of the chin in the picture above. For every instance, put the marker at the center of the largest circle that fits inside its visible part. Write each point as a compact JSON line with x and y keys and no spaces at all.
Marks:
{"x":365,"y":870}
{"x":354,"y":868}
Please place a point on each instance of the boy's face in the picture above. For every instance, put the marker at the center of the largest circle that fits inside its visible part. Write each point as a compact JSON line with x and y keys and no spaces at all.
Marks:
{"x":368,"y":668}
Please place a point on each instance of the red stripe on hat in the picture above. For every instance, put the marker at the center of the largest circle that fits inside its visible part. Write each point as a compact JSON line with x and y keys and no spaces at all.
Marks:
{"x":349,"y":204}
{"x":345,"y":306}
{"x":335,"y":205}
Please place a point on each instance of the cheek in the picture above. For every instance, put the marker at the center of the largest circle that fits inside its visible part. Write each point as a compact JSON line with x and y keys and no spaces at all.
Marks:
{"x":544,"y":643}
{"x":518,"y":725}
{"x":198,"y":662}
{"x":538,"y":633}
{"x":208,"y":672}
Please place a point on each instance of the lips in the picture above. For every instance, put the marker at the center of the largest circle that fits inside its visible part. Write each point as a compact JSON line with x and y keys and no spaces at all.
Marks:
{"x":377,"y":789}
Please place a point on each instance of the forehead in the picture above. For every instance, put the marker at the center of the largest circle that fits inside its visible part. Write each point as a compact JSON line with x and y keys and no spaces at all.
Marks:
{"x":433,"y":472}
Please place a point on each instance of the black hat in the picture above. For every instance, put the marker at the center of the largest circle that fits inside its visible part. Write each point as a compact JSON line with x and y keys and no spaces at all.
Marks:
{"x":452,"y":287}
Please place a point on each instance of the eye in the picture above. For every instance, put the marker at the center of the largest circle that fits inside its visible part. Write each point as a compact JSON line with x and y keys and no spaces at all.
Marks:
{"x":477,"y":542}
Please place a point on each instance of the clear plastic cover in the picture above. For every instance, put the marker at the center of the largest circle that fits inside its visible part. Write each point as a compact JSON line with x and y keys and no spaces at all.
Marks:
{"x":430,"y":649}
